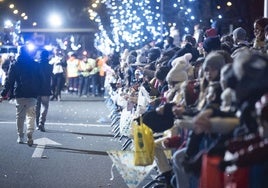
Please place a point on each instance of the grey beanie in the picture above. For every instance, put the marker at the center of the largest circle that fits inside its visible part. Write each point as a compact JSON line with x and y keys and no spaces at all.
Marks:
{"x":214,"y":60}
{"x":240,"y":33}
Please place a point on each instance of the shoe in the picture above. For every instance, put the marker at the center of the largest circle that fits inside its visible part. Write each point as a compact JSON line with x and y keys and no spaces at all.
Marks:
{"x":165,"y":177}
{"x":29,"y":139}
{"x":42,"y":128}
{"x":20,"y":140}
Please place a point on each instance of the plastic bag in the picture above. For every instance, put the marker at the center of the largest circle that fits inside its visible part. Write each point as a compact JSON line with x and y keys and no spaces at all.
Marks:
{"x":143,"y":145}
{"x":126,"y":123}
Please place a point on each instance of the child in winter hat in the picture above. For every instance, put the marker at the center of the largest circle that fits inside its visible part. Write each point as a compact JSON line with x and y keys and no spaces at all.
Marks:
{"x":180,"y":68}
{"x":239,"y":34}
{"x":214,"y":60}
{"x":176,"y":76}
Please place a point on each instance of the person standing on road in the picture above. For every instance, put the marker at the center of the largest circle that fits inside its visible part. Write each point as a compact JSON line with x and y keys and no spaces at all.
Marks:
{"x":94,"y":75}
{"x":24,"y":77}
{"x":45,"y":91}
{"x":85,"y":68}
{"x":58,"y":79}
{"x":73,"y":73}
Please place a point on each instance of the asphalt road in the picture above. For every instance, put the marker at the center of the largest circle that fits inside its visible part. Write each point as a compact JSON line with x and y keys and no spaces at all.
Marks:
{"x":70,"y":154}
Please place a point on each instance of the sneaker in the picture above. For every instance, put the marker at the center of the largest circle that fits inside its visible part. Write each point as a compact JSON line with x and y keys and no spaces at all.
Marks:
{"x":20,"y":140}
{"x":29,"y":139}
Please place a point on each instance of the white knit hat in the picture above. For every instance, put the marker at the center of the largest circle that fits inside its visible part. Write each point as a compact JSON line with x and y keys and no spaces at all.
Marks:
{"x":180,"y":67}
{"x":182,"y":60}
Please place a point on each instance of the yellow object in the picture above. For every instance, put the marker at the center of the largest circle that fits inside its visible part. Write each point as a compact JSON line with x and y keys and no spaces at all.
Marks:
{"x":143,"y":145}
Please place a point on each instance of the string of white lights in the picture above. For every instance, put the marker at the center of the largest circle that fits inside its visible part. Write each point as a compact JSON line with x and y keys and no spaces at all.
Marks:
{"x":133,"y":23}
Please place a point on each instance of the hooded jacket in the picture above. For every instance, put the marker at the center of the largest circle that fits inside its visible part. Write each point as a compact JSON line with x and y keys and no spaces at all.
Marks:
{"x":23,"y":78}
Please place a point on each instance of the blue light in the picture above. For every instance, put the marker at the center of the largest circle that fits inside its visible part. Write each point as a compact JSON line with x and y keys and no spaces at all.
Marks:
{"x":48,"y":47}
{"x":30,"y":47}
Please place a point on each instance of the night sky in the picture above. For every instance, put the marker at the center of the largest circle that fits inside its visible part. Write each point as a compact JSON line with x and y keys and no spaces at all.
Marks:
{"x":74,"y":12}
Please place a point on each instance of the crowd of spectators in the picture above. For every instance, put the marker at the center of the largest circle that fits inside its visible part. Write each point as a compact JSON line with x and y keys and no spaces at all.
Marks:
{"x":198,"y":95}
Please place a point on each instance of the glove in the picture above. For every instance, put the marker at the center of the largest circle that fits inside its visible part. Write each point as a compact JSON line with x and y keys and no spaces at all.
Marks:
{"x":172,"y":142}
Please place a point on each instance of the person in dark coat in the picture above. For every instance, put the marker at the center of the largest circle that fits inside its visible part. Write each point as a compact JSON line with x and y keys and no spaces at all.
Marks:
{"x":24,"y":77}
{"x":169,"y":43}
{"x":189,"y":44}
{"x":45,"y":91}
{"x":7,"y":62}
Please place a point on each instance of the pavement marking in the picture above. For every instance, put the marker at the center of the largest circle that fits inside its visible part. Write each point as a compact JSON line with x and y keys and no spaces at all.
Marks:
{"x":68,"y":124}
{"x":41,"y":144}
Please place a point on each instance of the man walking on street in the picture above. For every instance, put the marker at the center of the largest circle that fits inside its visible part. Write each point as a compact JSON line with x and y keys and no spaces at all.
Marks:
{"x":24,"y":77}
{"x":45,"y":91}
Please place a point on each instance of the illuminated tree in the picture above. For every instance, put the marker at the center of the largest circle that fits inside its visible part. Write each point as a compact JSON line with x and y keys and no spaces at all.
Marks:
{"x":133,"y":23}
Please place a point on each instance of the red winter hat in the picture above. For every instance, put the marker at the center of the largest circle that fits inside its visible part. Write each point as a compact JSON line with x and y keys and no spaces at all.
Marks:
{"x":211,"y":32}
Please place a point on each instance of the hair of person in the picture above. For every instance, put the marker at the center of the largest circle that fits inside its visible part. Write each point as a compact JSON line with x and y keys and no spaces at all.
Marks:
{"x":170,"y":39}
{"x":189,"y":38}
{"x":262,"y":22}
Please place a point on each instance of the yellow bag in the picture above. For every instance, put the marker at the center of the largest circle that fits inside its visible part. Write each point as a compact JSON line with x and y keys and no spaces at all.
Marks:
{"x":143,"y":145}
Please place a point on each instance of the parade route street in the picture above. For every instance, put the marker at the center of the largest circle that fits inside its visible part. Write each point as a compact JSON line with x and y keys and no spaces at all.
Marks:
{"x":70,"y":154}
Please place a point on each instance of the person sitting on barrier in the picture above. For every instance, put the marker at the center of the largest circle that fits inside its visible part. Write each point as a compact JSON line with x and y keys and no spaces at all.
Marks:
{"x":161,"y":119}
{"x":208,"y":83}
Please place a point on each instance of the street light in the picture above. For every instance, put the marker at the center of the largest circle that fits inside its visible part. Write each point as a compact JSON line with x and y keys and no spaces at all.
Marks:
{"x":8,"y":24}
{"x":229,"y":3}
{"x":55,"y":20}
{"x":16,"y":11}
{"x":11,"y":6}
